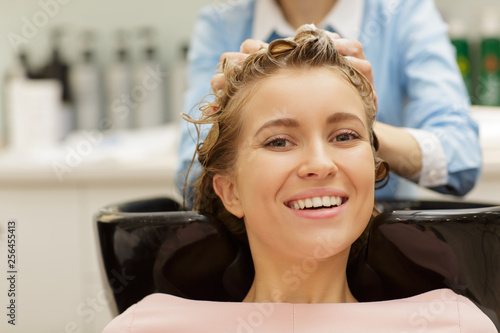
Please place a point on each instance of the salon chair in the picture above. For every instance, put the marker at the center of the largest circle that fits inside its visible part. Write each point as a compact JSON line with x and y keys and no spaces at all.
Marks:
{"x":414,"y":246}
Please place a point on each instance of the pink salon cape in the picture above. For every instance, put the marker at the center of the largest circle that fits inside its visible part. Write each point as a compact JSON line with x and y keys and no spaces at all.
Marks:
{"x":440,"y":311}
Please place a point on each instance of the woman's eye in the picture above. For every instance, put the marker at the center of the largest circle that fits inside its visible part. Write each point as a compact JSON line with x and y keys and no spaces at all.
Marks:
{"x":278,"y":143}
{"x":346,"y":137}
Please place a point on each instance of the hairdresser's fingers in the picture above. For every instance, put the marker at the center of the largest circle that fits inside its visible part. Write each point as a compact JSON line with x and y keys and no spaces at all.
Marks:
{"x":252,"y":45}
{"x":236,"y":57}
{"x":362,"y":65}
{"x":365,"y":67}
{"x":348,"y":47}
{"x":333,"y":35}
{"x":218,"y":82}
{"x":248,"y":46}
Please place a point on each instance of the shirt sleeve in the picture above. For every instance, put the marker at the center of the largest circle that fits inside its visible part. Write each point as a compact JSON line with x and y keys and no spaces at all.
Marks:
{"x":434,"y":171}
{"x":437,"y":101}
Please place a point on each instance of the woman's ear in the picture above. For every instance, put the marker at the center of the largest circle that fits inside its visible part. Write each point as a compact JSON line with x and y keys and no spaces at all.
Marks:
{"x":225,"y":190}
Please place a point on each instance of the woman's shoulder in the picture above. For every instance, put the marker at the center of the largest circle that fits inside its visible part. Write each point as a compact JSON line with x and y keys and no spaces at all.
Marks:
{"x":141,"y":313}
{"x":436,"y":311}
{"x":444,"y":309}
{"x":162,"y":312}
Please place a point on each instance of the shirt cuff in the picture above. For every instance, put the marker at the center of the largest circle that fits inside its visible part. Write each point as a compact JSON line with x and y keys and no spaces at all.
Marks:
{"x":434,"y":170}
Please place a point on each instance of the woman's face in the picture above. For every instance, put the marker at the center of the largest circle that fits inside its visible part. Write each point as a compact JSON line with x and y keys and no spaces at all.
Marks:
{"x":305,"y":173}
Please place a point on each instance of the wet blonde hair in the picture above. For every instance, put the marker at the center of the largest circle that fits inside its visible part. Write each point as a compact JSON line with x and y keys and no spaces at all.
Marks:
{"x":310,"y":48}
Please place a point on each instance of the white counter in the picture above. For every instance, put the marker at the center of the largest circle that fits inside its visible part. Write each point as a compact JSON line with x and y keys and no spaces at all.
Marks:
{"x":134,"y":156}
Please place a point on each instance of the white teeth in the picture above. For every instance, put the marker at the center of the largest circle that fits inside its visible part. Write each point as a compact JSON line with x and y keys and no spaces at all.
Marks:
{"x":317,"y":202}
{"x":325,"y":201}
{"x":308,"y":203}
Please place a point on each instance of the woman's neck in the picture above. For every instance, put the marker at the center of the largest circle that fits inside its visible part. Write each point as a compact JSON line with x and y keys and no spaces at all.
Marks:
{"x":301,"y":281}
{"x":299,"y":12}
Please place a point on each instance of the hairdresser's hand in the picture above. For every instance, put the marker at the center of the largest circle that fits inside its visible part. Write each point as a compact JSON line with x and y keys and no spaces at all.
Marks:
{"x":249,"y":46}
{"x":353,"y":51}
{"x":400,"y":149}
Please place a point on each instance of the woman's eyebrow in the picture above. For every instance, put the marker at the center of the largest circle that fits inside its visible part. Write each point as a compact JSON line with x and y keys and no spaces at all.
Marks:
{"x":290,"y":122}
{"x":285,"y":122}
{"x":343,"y":116}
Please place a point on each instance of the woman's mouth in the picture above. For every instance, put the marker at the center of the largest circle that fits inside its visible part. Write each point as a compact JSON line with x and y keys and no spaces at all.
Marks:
{"x":316,"y":202}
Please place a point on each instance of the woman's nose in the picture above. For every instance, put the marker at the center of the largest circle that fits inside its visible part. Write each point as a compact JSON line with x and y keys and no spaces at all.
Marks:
{"x":317,"y":162}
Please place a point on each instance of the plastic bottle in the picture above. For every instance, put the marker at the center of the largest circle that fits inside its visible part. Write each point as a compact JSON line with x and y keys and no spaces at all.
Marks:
{"x":58,"y":69}
{"x":489,"y":80}
{"x":86,"y":87}
{"x":458,"y":36}
{"x":149,"y":84}
{"x":120,"y":107}
{"x":178,"y":82}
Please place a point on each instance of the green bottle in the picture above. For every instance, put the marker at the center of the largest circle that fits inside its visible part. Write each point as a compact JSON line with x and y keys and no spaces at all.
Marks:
{"x":489,"y":79}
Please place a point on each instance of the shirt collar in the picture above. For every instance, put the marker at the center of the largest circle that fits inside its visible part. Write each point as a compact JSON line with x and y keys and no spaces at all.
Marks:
{"x":345,"y":18}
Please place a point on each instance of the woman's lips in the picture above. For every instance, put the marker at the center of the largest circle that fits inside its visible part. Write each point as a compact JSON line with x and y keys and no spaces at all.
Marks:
{"x":316,"y":202}
{"x":319,"y":212}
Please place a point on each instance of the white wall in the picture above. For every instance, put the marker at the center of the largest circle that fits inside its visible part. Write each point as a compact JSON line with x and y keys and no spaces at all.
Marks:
{"x":468,"y":11}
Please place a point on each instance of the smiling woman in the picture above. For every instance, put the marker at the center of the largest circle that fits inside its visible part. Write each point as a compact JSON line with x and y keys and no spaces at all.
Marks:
{"x":280,"y":82}
{"x":298,"y":144}
{"x":290,"y":165}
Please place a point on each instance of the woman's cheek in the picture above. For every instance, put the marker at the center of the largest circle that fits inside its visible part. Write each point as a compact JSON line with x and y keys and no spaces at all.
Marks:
{"x":364,"y":167}
{"x":250,"y":155}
